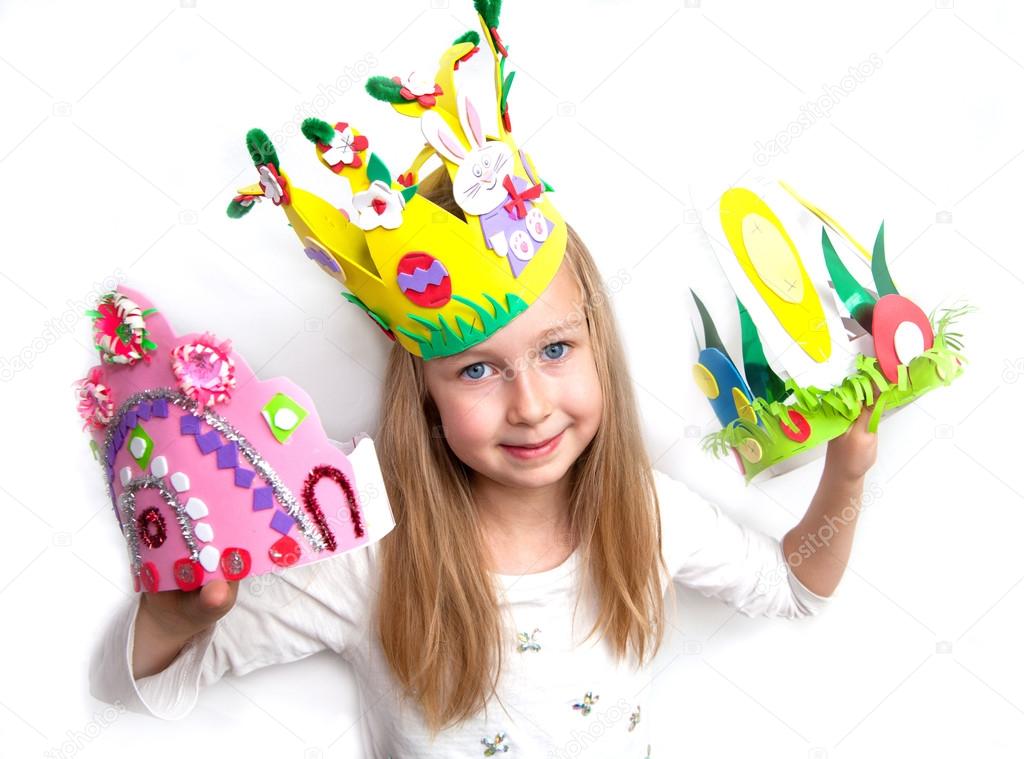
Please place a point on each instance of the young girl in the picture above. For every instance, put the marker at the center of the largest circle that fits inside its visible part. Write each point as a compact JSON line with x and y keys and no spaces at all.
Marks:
{"x":528,"y":518}
{"x":517,"y":603}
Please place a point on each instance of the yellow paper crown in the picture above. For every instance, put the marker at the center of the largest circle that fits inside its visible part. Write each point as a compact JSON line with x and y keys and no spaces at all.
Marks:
{"x":434,"y":282}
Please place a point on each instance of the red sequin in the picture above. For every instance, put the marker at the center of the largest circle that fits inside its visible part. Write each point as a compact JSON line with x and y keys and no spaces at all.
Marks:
{"x":235,"y":563}
{"x":152,"y":528}
{"x":150,"y":577}
{"x":285,"y":552}
{"x":188,"y":574}
{"x":313,"y":507}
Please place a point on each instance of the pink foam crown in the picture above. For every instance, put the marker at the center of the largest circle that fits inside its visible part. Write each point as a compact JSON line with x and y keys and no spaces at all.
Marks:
{"x":212,"y":473}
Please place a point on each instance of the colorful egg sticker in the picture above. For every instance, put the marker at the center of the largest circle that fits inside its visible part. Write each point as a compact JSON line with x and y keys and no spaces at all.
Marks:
{"x":424,"y":280}
{"x":901,"y":332}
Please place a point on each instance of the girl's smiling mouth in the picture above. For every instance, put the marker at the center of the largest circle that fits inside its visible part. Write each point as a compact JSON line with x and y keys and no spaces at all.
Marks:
{"x":536,"y":451}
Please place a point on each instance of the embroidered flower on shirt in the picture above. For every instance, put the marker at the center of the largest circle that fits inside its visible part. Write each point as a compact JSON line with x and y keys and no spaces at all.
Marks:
{"x":527,"y":641}
{"x":587,"y":704}
{"x":497,"y":746}
{"x":634,"y":719}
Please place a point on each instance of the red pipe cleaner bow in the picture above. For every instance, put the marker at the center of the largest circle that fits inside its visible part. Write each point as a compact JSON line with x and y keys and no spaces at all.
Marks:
{"x":517,"y":201}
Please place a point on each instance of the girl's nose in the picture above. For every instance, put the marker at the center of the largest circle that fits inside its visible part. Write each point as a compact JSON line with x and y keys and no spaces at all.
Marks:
{"x":529,"y":400}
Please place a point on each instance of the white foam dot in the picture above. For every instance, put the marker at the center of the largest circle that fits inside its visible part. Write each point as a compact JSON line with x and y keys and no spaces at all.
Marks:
{"x":208,"y":557}
{"x":138,"y":447}
{"x":126,"y":475}
{"x":196,"y":509}
{"x":285,"y":418}
{"x":180,"y":481}
{"x":204,"y":532}
{"x":159,"y":466}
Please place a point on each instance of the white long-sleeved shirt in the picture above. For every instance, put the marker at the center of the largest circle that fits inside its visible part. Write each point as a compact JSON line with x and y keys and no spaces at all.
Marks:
{"x":547,"y":675}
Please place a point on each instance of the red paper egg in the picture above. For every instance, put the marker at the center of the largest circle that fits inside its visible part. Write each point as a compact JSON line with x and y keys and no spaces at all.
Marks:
{"x":803,"y":427}
{"x":891,"y":312}
{"x":424,"y":280}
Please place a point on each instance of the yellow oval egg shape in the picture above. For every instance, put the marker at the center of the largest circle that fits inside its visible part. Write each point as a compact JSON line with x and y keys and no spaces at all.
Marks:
{"x":705,"y":381}
{"x":743,"y":408}
{"x":750,"y":449}
{"x":772,"y":258}
{"x":746,"y":221}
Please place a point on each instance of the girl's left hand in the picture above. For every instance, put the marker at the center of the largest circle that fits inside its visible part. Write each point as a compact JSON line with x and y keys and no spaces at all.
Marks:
{"x":854,"y":452}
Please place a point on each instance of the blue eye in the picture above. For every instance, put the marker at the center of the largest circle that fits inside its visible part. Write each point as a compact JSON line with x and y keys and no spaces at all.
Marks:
{"x":476,"y":371}
{"x":558,"y":354}
{"x":470,"y":372}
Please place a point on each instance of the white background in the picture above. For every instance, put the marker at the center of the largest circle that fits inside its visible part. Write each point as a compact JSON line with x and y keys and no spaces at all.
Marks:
{"x":121,"y":142}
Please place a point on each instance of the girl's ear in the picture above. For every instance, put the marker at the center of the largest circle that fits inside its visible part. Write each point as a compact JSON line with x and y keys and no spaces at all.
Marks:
{"x":470,"y":119}
{"x":441,"y":137}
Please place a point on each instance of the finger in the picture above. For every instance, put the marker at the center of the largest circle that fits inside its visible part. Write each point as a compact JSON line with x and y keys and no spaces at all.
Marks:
{"x":217,"y":596}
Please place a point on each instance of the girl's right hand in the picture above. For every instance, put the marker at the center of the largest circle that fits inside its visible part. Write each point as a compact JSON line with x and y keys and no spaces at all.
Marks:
{"x":167,"y":620}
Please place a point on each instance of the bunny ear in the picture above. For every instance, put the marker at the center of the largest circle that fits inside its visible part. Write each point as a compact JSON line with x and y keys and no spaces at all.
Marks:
{"x":439,"y":134}
{"x":471,"y":121}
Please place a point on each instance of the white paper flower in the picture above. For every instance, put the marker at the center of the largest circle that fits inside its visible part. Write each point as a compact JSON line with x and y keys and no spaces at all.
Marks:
{"x":378,"y":206}
{"x":271,"y":186}
{"x":418,"y":85}
{"x":344,"y":148}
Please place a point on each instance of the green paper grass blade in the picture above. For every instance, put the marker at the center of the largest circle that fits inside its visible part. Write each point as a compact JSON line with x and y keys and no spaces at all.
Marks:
{"x":409,"y":192}
{"x":505,"y":87}
{"x":879,"y":269}
{"x":445,"y":341}
{"x":763,"y":381}
{"x":853,"y":295}
{"x":711,"y":338}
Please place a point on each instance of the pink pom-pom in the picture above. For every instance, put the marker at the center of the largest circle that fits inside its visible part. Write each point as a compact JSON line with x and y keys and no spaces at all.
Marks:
{"x":205,"y":370}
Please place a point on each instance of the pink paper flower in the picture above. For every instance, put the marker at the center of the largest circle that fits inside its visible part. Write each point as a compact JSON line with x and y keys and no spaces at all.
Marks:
{"x":95,"y":405}
{"x":205,"y":370}
{"x":414,"y":87}
{"x":119,"y":330}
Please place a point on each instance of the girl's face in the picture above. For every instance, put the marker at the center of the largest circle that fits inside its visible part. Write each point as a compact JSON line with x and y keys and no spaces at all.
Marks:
{"x":531,"y":382}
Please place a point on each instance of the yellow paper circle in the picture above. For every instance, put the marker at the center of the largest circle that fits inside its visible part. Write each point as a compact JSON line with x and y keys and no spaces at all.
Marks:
{"x":705,"y":381}
{"x":743,"y":407}
{"x":750,"y":449}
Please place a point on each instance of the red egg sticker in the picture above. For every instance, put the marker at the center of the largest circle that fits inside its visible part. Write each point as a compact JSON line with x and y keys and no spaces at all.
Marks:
{"x":892,"y":347}
{"x":424,"y":280}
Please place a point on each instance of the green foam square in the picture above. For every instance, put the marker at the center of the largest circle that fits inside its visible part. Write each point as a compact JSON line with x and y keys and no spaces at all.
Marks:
{"x":140,"y":433}
{"x":283,"y":415}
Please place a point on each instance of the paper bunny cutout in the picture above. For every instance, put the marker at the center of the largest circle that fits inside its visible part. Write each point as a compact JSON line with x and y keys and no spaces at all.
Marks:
{"x":485,"y":185}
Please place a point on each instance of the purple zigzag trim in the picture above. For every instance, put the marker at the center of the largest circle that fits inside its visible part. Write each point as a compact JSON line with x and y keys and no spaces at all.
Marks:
{"x":420,"y":278}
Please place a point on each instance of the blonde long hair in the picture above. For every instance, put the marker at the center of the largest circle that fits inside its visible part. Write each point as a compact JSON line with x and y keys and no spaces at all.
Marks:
{"x":436,"y":609}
